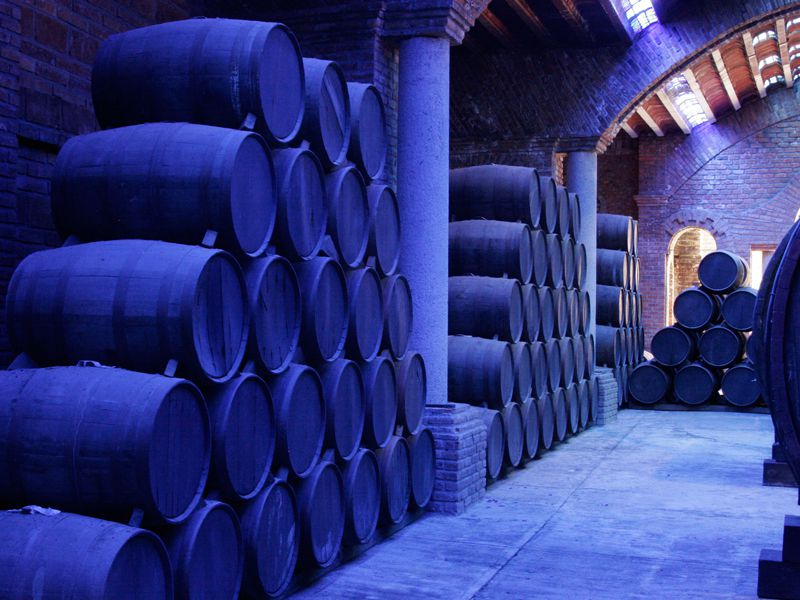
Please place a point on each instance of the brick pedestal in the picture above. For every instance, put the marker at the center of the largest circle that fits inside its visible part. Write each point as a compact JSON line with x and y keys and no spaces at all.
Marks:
{"x":609,"y":395}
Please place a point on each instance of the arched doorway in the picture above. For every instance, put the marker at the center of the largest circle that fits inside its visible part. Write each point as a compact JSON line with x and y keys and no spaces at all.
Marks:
{"x":686,"y":249}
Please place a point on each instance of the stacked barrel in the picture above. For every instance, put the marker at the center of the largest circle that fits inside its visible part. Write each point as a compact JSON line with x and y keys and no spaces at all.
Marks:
{"x":519,"y":345}
{"x":231,"y":260}
{"x":702,"y":358}
{"x":620,"y":328}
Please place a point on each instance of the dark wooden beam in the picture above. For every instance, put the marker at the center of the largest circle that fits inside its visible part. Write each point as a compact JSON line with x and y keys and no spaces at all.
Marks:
{"x":531,"y":20}
{"x":570,"y":13}
{"x":497,"y":28}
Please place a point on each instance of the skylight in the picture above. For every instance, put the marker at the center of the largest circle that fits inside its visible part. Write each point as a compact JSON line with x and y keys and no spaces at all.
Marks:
{"x":769,"y":60}
{"x":685,"y":101}
{"x":773,"y":80}
{"x":769,"y":34}
{"x":640,"y":14}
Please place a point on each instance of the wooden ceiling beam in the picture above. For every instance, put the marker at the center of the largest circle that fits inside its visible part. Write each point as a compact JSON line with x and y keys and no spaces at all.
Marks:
{"x":497,"y":28}
{"x":688,"y":74}
{"x":783,"y":44}
{"x":629,"y":130}
{"x":650,"y":122}
{"x":531,"y":20}
{"x":674,"y":112}
{"x":570,"y":13}
{"x":751,"y":56}
{"x":726,"y":79}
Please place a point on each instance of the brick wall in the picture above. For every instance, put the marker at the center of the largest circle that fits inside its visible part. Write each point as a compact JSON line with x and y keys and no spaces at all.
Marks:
{"x":618,"y":177}
{"x":739,"y":179}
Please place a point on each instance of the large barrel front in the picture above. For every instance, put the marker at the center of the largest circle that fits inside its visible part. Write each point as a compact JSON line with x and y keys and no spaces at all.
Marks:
{"x":610,"y":305}
{"x":207,"y":553}
{"x":740,"y":385}
{"x":275,"y":312}
{"x":299,"y":402}
{"x":615,"y":232}
{"x":695,"y":384}
{"x":394,"y":465}
{"x":479,"y":371}
{"x":502,"y":192}
{"x":365,"y":330}
{"x":326,"y":122}
{"x":323,"y":288}
{"x":738,"y":308}
{"x":722,"y":272}
{"x":50,"y":554}
{"x":493,"y":248}
{"x":174,"y":182}
{"x":368,"y":139}
{"x":362,"y":494}
{"x":271,"y":533}
{"x":485,"y":307}
{"x":721,"y":346}
{"x":243,"y":434}
{"x":380,"y":383}
{"x":649,"y":383}
{"x":132,"y":303}
{"x":348,"y":214}
{"x":345,"y":406}
{"x":384,"y":228}
{"x":182,"y":71}
{"x":422,"y":450}
{"x":398,"y":315}
{"x":103,"y":440}
{"x":613,"y":268}
{"x":321,"y":506}
{"x":412,"y":391}
{"x":695,"y":309}
{"x":608,"y":346}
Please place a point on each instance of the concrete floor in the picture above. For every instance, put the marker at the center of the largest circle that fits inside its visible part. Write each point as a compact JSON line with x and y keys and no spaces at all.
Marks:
{"x":658,"y":505}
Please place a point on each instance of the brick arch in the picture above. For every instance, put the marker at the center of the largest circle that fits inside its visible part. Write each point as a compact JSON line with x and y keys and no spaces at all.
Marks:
{"x":701,"y":219}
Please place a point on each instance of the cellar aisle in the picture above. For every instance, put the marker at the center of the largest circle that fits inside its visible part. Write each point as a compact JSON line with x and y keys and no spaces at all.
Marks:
{"x":659,"y":505}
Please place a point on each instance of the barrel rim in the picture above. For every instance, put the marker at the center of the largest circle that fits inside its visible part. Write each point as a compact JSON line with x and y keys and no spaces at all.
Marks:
{"x":325,"y":67}
{"x":334,"y":181}
{"x":349,"y":475}
{"x":158,"y":545}
{"x":402,"y":367}
{"x":308,"y":489}
{"x":513,"y":411}
{"x":374,"y":199}
{"x":343,"y":364}
{"x":413,"y":441}
{"x":362,"y":90}
{"x":325,"y":263}
{"x":356,"y":279}
{"x":393,"y":281}
{"x":386,"y":455}
{"x":371,"y":371}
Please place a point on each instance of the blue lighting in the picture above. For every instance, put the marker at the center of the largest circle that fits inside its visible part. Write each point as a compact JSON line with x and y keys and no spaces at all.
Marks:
{"x":640,"y":14}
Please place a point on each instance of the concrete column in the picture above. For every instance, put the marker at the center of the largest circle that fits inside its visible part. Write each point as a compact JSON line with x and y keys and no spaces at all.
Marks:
{"x":422,"y":188}
{"x":582,"y":180}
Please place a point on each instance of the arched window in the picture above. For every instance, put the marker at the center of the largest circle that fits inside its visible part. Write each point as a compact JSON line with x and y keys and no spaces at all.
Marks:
{"x":686,"y":249}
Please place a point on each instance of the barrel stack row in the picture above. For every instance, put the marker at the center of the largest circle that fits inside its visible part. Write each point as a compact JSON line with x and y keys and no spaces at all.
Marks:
{"x":224,"y":395}
{"x":519,"y":345}
{"x":701,"y":359}
{"x":620,"y":328}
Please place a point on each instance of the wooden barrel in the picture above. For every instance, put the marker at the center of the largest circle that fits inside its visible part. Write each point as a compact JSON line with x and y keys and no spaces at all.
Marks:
{"x":568,"y":252}
{"x":182,"y":71}
{"x":362,"y":497}
{"x":574,"y":215}
{"x":635,"y":273}
{"x":299,"y":401}
{"x":578,"y":358}
{"x":514,"y":428}
{"x":626,"y":308}
{"x":271,"y":533}
{"x":548,"y":199}
{"x":530,"y":429}
{"x":321,"y":508}
{"x":422,"y":449}
{"x":380,"y":383}
{"x":149,"y":441}
{"x":384,"y":228}
{"x":547,"y":421}
{"x":589,"y":355}
{"x":621,"y":377}
{"x":612,"y":268}
{"x":365,"y":329}
{"x":547,"y":311}
{"x":564,"y":217}
{"x":610,"y":305}
{"x":555,"y":259}
{"x":398,"y":315}
{"x":584,"y":312}
{"x":479,"y":371}
{"x":485,"y":307}
{"x":174,"y":182}
{"x":207,"y":553}
{"x":552,"y":352}
{"x":275,"y":312}
{"x":302,"y":206}
{"x":574,"y":317}
{"x":608,"y":346}
{"x":560,"y":411}
{"x":242,"y":435}
{"x":740,"y":385}
{"x":326,"y":306}
{"x":722,"y":271}
{"x":368,"y":139}
{"x":45,"y":553}
{"x":721,"y":346}
{"x":649,"y":383}
{"x":539,"y":369}
{"x":615,"y":232}
{"x":412,"y":391}
{"x":673,"y":346}
{"x":695,"y":309}
{"x":584,"y":402}
{"x":573,"y":408}
{"x":345,"y":406}
{"x":561,"y":313}
{"x":531,"y":313}
{"x":394,"y":465}
{"x":738,"y":308}
{"x":630,"y":345}
{"x":326,"y":121}
{"x":493,"y":248}
{"x":495,"y":442}
{"x":539,"y":260}
{"x":501,"y":192}
{"x":567,"y":357}
{"x":580,"y":265}
{"x":695,"y":384}
{"x":635,"y":237}
{"x":348,"y":214}
{"x":132,"y":303}
{"x":523,"y":372}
